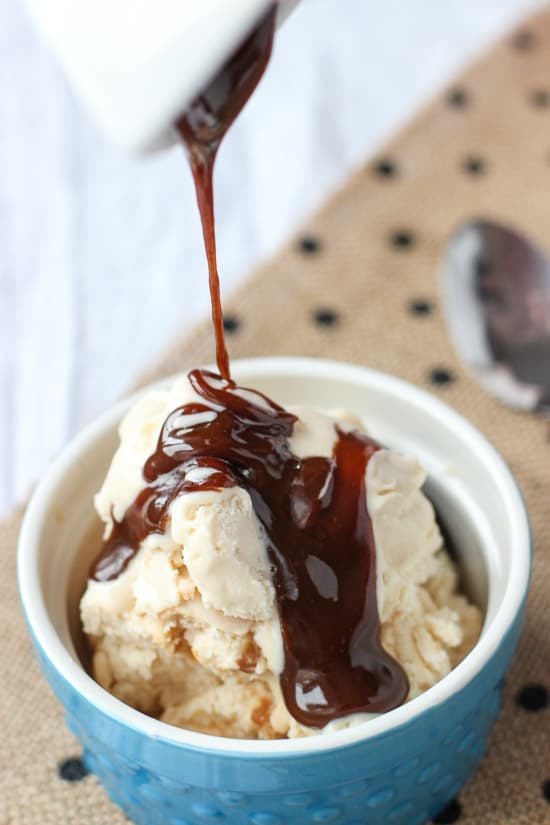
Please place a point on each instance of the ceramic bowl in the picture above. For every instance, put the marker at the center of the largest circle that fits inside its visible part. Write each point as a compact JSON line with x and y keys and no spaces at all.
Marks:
{"x":401,"y":767}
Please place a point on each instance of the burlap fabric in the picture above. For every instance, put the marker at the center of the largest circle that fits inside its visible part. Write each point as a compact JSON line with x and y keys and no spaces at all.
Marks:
{"x":481,"y":149}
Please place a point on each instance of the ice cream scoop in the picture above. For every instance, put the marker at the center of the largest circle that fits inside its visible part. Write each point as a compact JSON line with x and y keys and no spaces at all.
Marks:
{"x":194,"y":621}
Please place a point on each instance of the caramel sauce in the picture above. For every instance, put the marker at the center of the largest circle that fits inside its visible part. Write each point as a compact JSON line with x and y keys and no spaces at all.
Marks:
{"x":202,"y":129}
{"x":318,"y":533}
{"x":313,"y":511}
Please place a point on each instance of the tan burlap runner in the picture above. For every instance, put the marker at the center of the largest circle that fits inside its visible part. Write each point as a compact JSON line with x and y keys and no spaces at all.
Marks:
{"x":344,"y":289}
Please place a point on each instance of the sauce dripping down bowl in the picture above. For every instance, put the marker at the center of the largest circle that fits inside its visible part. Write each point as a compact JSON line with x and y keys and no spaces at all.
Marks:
{"x":400,"y":767}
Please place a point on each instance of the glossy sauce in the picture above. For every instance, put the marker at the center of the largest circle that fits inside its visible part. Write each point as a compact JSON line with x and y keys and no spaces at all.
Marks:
{"x":319,"y":535}
{"x":202,"y":129}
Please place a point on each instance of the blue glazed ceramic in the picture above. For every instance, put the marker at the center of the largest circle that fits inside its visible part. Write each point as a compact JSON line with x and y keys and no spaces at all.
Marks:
{"x":400,"y":767}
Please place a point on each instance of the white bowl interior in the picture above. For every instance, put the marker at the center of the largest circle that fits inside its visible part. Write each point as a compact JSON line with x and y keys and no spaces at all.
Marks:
{"x":468,"y":482}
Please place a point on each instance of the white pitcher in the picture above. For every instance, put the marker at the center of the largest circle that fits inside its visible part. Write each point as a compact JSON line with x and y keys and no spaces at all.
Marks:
{"x":136,"y":64}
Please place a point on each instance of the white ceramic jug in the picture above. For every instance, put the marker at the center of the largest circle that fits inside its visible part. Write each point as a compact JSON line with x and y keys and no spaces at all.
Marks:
{"x":136,"y":64}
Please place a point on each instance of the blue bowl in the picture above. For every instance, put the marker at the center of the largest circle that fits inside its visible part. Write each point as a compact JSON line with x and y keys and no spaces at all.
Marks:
{"x":401,"y":767}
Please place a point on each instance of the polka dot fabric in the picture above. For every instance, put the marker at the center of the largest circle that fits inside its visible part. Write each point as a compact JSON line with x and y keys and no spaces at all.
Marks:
{"x":72,"y":769}
{"x":360,"y":283}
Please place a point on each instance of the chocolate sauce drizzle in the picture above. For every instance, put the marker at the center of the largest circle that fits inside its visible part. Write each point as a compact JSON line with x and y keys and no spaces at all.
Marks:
{"x":202,"y":129}
{"x":318,"y":533}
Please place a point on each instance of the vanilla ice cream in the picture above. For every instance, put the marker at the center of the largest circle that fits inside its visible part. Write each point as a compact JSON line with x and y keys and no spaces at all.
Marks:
{"x":190,"y":631}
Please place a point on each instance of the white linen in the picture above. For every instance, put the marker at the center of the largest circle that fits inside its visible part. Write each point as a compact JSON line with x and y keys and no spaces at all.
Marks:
{"x":101,"y":263}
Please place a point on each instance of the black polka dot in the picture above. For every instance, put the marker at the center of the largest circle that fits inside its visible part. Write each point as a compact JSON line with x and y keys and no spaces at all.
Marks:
{"x":309,"y":245}
{"x":458,"y":98}
{"x":533,"y":697}
{"x":420,"y":306}
{"x":451,"y":813}
{"x":474,"y":165}
{"x":386,"y":168}
{"x":402,"y":239}
{"x":546,"y":790}
{"x":523,"y":40}
{"x":540,"y":98}
{"x":231,"y":323}
{"x":441,"y":375}
{"x":325,"y":317}
{"x":72,"y":769}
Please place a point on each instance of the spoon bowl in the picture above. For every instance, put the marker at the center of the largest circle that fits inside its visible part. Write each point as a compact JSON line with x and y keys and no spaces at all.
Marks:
{"x":496,"y":296}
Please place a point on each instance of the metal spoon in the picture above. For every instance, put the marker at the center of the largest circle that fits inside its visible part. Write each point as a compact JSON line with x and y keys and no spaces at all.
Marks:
{"x":496,"y":288}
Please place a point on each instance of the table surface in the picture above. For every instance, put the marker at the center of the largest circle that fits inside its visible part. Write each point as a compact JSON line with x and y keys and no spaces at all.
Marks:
{"x":101,"y":263}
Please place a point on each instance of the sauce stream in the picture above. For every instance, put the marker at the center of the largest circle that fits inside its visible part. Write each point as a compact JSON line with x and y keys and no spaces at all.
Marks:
{"x":202,"y":129}
{"x":318,"y":532}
